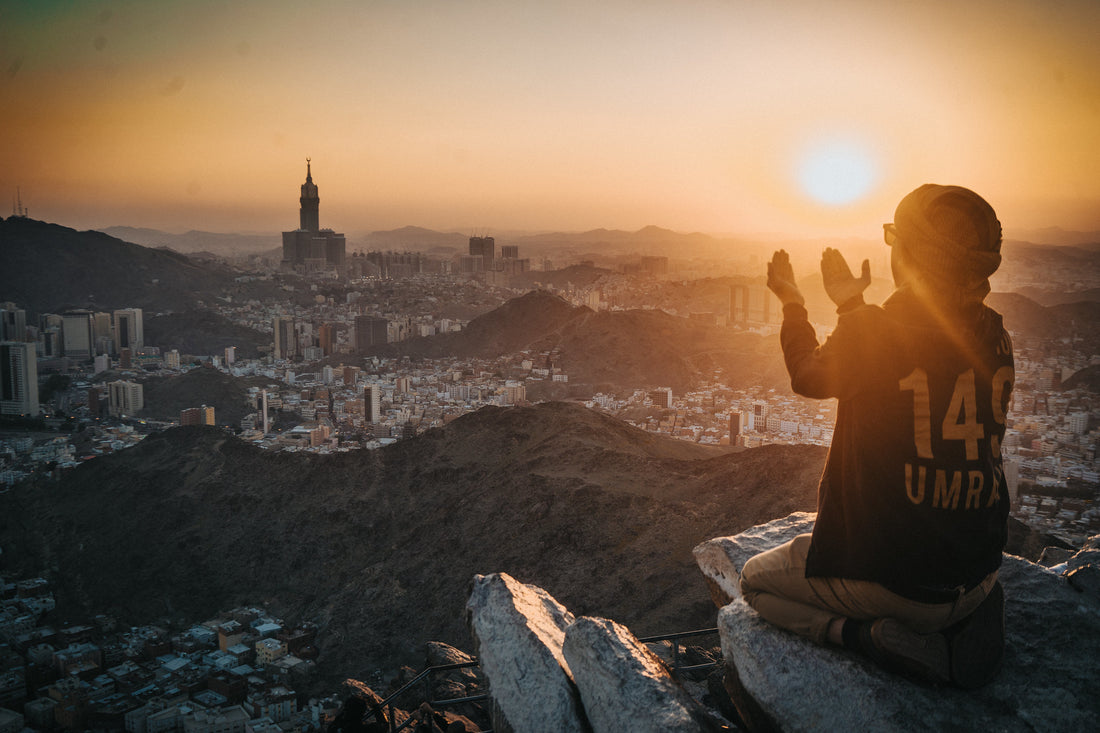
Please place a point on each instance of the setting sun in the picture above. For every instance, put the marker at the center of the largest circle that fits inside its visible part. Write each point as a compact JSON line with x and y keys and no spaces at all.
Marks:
{"x":548,"y":115}
{"x":837,"y":172}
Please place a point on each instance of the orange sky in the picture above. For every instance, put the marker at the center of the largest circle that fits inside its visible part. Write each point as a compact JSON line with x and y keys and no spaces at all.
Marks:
{"x":688,"y":114}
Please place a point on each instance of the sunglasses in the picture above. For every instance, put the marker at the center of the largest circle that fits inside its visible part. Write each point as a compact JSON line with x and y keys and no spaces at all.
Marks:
{"x":889,"y":234}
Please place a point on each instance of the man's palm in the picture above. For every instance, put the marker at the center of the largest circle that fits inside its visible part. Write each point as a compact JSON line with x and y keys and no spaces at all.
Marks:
{"x":840,"y":285}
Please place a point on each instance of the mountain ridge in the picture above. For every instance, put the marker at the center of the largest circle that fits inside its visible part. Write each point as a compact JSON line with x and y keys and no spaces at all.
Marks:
{"x":379,"y":546}
{"x":49,"y":267}
{"x":619,"y":348}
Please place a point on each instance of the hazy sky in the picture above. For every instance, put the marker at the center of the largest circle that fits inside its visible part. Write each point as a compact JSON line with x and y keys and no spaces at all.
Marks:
{"x":801,"y":117}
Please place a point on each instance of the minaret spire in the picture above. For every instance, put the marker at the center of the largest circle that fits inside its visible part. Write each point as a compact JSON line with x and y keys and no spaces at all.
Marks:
{"x":309,"y":176}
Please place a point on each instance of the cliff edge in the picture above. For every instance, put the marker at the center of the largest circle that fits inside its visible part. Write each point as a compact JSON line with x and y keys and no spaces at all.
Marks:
{"x":1048,"y":680}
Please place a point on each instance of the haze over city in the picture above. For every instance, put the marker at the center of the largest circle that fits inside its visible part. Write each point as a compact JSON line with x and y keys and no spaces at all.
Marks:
{"x":805,"y":118}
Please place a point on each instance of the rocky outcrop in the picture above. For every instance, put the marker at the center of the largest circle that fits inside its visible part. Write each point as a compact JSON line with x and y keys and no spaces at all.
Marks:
{"x":722,"y":558}
{"x":519,"y":630}
{"x":550,"y":672}
{"x":1048,"y":680}
{"x":623,"y":685}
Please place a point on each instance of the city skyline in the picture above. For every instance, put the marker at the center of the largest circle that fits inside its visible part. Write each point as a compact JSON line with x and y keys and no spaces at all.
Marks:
{"x":723,"y":117}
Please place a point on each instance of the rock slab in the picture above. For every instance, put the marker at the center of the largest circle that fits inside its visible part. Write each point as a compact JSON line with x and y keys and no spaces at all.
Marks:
{"x":624,"y":685}
{"x":1048,"y":681}
{"x":722,"y":558}
{"x":519,"y":630}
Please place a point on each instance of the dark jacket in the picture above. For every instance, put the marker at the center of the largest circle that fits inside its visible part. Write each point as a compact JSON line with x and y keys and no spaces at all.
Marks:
{"x":913,"y":495}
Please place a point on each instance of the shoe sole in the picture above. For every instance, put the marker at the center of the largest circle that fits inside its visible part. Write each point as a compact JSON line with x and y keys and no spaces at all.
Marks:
{"x":923,"y":656}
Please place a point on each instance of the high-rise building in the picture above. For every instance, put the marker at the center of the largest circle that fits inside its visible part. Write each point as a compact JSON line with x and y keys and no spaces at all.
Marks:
{"x":286,"y":338}
{"x":485,"y":247}
{"x":467,"y":264}
{"x":93,"y":401}
{"x":13,"y":323}
{"x":370,"y":331}
{"x":103,"y":331}
{"x":326,"y":338}
{"x":735,"y":428}
{"x":78,"y":341}
{"x":172,"y":359}
{"x":263,"y":411}
{"x":197,"y":416}
{"x":125,"y":398}
{"x":230,"y":355}
{"x":509,"y":251}
{"x":760,"y":416}
{"x":372,"y":403}
{"x":309,"y":249}
{"x":18,"y":379}
{"x":754,"y":304}
{"x":129,"y":329}
{"x":654,"y":265}
{"x":661,"y":397}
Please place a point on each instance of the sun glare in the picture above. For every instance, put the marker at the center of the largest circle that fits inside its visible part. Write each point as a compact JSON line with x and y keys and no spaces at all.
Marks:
{"x":836,"y":172}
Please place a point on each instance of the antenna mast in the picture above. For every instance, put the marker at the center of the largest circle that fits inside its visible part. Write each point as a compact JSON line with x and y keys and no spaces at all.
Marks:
{"x":17,"y":205}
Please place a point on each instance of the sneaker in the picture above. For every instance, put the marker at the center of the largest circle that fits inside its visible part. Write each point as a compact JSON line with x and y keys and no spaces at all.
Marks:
{"x":923,"y":657}
{"x":978,"y":642}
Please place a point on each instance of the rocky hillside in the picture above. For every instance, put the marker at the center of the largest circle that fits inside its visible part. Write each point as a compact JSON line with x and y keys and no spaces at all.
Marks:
{"x":48,"y":267}
{"x":194,"y":242}
{"x":1087,"y":378}
{"x":165,"y":397}
{"x":380,"y":546}
{"x":202,"y":333}
{"x":1026,"y":318}
{"x":613,"y":348}
{"x":509,"y":328}
{"x":651,"y":348}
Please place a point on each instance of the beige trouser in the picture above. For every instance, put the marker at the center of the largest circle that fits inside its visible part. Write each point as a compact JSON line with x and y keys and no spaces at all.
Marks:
{"x":775,"y":584}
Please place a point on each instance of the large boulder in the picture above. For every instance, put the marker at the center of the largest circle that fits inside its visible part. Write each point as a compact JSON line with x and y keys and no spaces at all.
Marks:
{"x":624,"y":686}
{"x":519,"y":630}
{"x":722,"y":558}
{"x":1048,"y":681}
{"x":550,"y":672}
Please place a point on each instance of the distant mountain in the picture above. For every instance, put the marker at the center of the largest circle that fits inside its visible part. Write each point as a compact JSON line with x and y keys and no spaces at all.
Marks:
{"x":380,"y":546}
{"x":633,"y":349}
{"x":416,"y":239}
{"x":651,"y":240}
{"x":47,"y":267}
{"x":1055,"y":236}
{"x":576,"y":275}
{"x":220,"y":244}
{"x":507,"y":329}
{"x":1025,"y":317}
{"x":1049,"y":298}
{"x":650,"y":348}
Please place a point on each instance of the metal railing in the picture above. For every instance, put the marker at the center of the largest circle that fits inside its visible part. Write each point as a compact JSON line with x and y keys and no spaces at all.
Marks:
{"x":426,"y":677}
{"x":677,"y":668}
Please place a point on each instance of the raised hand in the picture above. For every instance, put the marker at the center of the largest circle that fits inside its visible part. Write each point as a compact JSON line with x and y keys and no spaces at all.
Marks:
{"x":840,"y":285}
{"x":781,"y":279}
